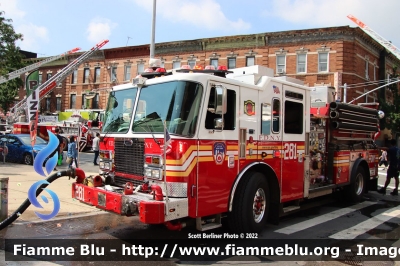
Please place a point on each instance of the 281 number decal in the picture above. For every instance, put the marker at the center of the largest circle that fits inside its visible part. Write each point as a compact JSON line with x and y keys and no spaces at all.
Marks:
{"x":80,"y":193}
{"x":290,"y":151}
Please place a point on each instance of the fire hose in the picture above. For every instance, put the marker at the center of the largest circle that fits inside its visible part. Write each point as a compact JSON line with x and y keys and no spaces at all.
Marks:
{"x":70,"y":172}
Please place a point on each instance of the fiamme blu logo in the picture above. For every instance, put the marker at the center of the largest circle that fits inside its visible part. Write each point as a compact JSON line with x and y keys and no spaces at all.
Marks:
{"x":50,"y":164}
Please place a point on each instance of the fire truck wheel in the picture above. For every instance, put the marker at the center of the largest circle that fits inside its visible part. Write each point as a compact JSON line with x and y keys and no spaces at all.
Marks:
{"x":355,"y":191}
{"x":28,"y":159}
{"x":250,"y":205}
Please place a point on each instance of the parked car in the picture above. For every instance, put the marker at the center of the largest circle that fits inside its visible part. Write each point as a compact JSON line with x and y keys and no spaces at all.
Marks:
{"x":19,"y":147}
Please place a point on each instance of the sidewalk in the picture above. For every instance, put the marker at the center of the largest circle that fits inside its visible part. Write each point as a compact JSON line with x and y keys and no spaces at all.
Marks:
{"x":21,"y":177}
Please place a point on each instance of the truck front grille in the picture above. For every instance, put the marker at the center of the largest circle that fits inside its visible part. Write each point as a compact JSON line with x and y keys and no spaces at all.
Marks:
{"x":129,"y":156}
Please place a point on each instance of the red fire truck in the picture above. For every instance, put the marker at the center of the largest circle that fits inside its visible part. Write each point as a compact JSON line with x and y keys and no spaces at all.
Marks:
{"x":242,"y":145}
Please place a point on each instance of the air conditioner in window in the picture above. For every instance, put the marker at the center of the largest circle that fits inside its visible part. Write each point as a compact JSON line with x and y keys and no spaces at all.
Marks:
{"x":280,"y":71}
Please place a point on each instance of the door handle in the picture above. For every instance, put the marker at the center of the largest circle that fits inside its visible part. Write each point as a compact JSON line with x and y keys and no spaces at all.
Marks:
{"x":193,"y":190}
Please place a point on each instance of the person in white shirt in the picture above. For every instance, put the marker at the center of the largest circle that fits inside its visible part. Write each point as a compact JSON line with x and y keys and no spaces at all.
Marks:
{"x":96,"y":148}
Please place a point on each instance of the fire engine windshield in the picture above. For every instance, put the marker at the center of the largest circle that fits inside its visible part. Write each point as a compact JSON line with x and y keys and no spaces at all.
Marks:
{"x":119,"y":111}
{"x":177,"y":103}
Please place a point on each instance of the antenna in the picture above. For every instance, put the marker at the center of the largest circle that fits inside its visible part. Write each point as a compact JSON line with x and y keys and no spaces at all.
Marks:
{"x":128,"y":41}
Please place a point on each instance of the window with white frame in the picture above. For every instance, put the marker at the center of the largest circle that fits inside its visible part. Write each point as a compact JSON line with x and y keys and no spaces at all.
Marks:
{"x":374,"y":71}
{"x":95,"y":101}
{"x":176,"y":64}
{"x":323,"y":62}
{"x":140,"y":68}
{"x":301,"y":63}
{"x":72,"y":102}
{"x":48,"y":76}
{"x":192,"y":63}
{"x":48,"y":102}
{"x":86,"y":75}
{"x":96,"y":74}
{"x":280,"y":64}
{"x":366,"y":69}
{"x":127,"y":72}
{"x":231,"y":62}
{"x":58,"y":104}
{"x":250,"y":60}
{"x":113,"y":73}
{"x":40,"y":78}
{"x":162,"y":64}
{"x":74,"y":76}
{"x":214,"y":62}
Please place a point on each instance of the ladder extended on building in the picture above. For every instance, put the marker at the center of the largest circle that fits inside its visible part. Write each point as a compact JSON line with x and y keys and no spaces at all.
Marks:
{"x":19,"y":72}
{"x":387,"y":44}
{"x":51,"y":83}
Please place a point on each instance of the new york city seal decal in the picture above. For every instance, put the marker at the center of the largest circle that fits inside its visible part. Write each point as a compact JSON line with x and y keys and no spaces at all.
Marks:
{"x":219,"y":152}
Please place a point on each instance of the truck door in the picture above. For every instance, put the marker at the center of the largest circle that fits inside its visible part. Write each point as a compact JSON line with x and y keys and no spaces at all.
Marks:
{"x":293,"y":145}
{"x":217,"y":151}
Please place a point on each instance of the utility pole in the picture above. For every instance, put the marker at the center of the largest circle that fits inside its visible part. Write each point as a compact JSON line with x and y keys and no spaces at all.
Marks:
{"x":153,"y":30}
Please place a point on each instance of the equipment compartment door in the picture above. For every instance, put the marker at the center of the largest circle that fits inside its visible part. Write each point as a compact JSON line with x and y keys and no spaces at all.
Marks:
{"x":218,"y":149}
{"x":293,"y":145}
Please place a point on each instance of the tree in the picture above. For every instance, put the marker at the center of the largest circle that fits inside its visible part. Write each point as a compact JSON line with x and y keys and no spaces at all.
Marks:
{"x":392,"y":109}
{"x":11,"y":59}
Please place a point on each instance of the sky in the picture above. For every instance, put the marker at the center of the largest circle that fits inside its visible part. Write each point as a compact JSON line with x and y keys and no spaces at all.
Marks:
{"x":51,"y":27}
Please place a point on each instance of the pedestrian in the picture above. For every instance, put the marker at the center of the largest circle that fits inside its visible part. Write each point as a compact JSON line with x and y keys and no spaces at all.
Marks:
{"x":392,"y":170}
{"x":96,"y":148}
{"x":59,"y":147}
{"x":383,"y":159}
{"x":72,"y":153}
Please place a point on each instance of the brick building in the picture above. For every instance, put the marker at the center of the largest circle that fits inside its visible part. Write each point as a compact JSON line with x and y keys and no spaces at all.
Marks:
{"x":325,"y":56}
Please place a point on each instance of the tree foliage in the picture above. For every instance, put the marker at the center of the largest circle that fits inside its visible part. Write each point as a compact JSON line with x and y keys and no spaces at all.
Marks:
{"x":10,"y":60}
{"x":392,"y":109}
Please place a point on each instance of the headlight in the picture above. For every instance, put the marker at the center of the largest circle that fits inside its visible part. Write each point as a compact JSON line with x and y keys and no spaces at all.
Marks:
{"x":101,"y":165}
{"x":107,"y":166}
{"x":152,"y":173}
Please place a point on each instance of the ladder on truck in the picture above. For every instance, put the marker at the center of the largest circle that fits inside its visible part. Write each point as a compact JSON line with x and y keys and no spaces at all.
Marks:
{"x":387,"y":44}
{"x":51,"y":83}
{"x":19,"y":72}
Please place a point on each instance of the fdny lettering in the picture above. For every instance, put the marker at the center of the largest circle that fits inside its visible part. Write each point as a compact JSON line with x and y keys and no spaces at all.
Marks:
{"x":148,"y":145}
{"x":269,"y":137}
{"x":290,"y":151}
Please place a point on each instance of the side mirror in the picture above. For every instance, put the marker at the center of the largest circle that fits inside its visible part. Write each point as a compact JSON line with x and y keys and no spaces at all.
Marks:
{"x":220,"y":100}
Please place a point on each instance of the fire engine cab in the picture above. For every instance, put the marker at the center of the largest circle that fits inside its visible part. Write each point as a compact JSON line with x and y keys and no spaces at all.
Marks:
{"x":242,"y":145}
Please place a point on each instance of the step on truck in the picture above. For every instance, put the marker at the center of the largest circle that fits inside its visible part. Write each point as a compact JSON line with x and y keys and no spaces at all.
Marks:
{"x":204,"y":145}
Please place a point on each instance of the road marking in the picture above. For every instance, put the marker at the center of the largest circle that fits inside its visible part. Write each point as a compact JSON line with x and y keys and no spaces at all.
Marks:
{"x":322,"y":219}
{"x":367,"y":225}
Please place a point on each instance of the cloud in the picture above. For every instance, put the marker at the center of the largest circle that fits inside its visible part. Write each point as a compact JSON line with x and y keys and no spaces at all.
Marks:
{"x":100,"y":29}
{"x":205,"y":14}
{"x":11,"y":10}
{"x":33,"y":35}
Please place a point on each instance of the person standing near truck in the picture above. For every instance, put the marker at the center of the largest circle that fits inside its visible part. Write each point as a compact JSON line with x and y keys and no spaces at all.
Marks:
{"x":393,"y":170}
{"x":96,"y":148}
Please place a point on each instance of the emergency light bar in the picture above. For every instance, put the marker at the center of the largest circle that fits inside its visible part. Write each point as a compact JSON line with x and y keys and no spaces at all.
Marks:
{"x":221,"y":71}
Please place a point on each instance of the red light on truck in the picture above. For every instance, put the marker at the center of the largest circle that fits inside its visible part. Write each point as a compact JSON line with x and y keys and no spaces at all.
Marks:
{"x":222,"y":68}
{"x":197,"y":67}
{"x":210,"y":67}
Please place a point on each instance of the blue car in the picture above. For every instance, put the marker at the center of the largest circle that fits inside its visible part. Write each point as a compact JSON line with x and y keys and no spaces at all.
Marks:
{"x":19,"y":147}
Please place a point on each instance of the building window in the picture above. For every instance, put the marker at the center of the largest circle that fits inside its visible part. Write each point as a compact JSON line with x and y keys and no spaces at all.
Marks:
{"x":191,"y":63}
{"x":113,"y":74}
{"x":127,"y":72}
{"x":58,"y":104}
{"x":374,"y":72}
{"x":140,"y":68}
{"x":280,"y":64}
{"x":48,"y":76}
{"x":48,"y":102}
{"x":95,"y":101}
{"x":86,"y":75}
{"x":250,"y":61}
{"x":162,"y":64}
{"x":322,"y":62}
{"x":301,"y":63}
{"x":75,"y":76}
{"x":96,"y":74}
{"x":231,"y":62}
{"x":84,"y":105}
{"x":214,"y":62}
{"x":40,"y":78}
{"x":176,"y":64}
{"x":366,"y":69}
{"x":72,"y":102}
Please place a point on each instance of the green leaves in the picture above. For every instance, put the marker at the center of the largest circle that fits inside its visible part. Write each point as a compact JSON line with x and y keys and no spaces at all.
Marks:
{"x":10,"y":60}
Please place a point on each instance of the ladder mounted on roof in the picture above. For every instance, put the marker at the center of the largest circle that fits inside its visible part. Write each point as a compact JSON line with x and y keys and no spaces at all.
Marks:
{"x":19,"y":72}
{"x":388,"y":45}
{"x":51,"y":83}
